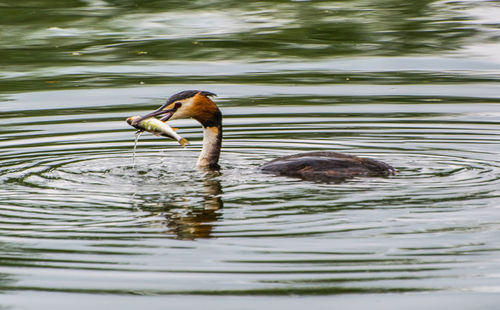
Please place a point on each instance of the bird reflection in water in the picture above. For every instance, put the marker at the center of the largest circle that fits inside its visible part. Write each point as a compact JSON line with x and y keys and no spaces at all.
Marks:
{"x":194,"y":222}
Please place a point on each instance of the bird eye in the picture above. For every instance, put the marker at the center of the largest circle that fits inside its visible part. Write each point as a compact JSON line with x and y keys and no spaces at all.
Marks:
{"x":177,"y":105}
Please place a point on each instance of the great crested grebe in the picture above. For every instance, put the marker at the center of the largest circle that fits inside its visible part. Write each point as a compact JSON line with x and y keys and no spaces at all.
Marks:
{"x":321,"y":166}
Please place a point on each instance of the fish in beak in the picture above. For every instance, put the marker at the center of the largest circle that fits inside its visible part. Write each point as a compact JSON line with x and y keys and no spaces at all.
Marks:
{"x":156,"y":126}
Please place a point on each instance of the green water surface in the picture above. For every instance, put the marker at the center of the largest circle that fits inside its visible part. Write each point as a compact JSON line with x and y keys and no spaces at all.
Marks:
{"x":412,"y":83}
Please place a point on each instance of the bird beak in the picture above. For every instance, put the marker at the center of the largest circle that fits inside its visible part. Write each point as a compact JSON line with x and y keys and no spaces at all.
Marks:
{"x":168,"y":114}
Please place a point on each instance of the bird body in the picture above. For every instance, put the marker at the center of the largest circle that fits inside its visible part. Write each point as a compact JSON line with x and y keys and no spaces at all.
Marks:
{"x":327,"y":166}
{"x":318,"y":166}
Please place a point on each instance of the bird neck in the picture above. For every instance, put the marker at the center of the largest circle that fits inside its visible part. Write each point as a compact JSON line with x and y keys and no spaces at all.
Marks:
{"x":212,"y":142}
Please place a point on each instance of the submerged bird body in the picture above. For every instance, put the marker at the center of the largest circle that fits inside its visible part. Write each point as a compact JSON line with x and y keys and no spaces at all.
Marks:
{"x":327,"y":166}
{"x":318,"y":166}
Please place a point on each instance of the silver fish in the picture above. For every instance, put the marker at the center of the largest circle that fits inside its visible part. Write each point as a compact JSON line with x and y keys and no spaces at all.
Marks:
{"x":157,"y":127}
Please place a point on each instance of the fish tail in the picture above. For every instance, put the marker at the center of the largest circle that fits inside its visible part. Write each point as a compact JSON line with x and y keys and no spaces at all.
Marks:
{"x":183,"y":142}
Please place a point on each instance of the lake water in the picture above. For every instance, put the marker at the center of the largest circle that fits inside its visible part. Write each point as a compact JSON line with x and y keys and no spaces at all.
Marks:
{"x":412,"y":83}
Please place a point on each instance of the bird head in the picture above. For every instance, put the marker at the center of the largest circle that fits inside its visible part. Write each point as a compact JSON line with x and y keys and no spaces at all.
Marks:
{"x":189,"y":104}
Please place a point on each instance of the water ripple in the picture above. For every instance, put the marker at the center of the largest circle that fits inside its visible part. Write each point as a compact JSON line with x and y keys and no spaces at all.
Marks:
{"x":75,"y":191}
